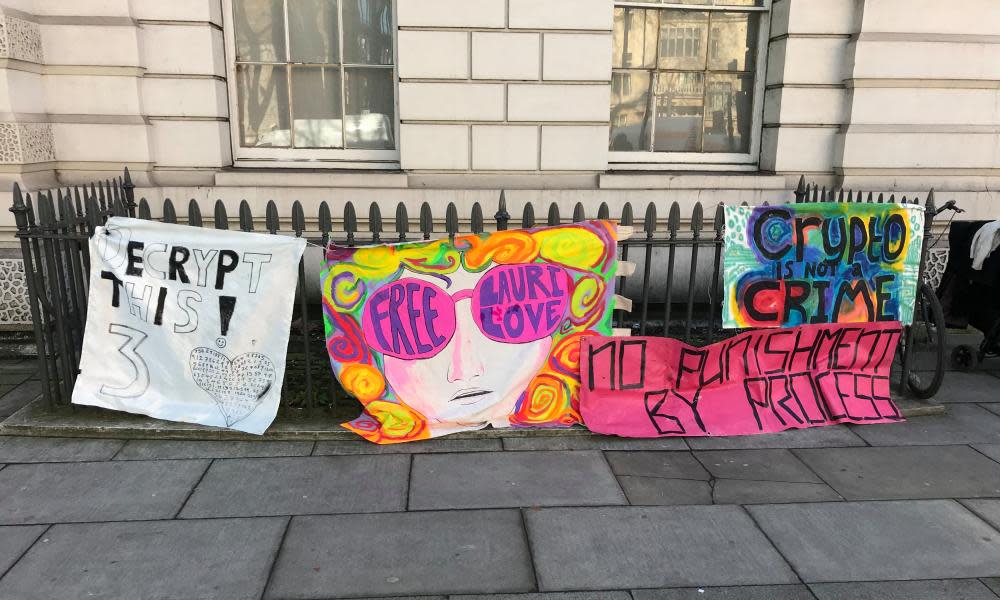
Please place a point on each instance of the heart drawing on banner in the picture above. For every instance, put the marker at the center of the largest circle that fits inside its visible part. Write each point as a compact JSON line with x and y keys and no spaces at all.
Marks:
{"x":113,"y":244}
{"x":238,"y":386}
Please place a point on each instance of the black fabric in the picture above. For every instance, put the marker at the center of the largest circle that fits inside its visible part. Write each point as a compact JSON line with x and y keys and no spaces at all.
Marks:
{"x":969,"y":297}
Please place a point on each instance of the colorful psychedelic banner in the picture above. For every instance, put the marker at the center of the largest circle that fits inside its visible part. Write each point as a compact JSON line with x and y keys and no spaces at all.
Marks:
{"x":757,"y":382}
{"x":445,"y":336}
{"x":827,"y":262}
{"x":188,"y":324}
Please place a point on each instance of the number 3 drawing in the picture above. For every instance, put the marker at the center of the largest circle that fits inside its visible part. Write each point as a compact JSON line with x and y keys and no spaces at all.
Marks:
{"x":129,"y":349}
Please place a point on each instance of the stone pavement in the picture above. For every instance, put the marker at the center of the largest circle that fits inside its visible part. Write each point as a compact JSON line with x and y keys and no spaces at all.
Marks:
{"x":908,"y":511}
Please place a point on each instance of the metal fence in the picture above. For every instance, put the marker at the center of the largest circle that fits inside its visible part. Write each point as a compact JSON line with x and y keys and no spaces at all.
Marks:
{"x":676,"y":297}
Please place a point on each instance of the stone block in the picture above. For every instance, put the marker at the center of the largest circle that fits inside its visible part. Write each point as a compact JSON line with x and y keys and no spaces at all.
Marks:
{"x":511,"y":479}
{"x":436,"y":147}
{"x":881,"y":541}
{"x":14,"y":540}
{"x":329,"y":448}
{"x":558,"y":102}
{"x":817,"y":437}
{"x":962,"y":424}
{"x":41,"y":449}
{"x":646,"y":547}
{"x":656,"y":491}
{"x":953,"y":589}
{"x":92,"y":95}
{"x":576,"y":57}
{"x":451,"y":13}
{"x":574,"y":148}
{"x":988,"y":510}
{"x":219,"y":558}
{"x":90,"y":45}
{"x":759,"y":592}
{"x":419,"y":553}
{"x":180,"y":97}
{"x":433,"y":54}
{"x":505,"y":147}
{"x":671,"y":465}
{"x":906,"y":472}
{"x":562,"y":14}
{"x":191,"y":143}
{"x":196,"y":49}
{"x":420,"y":101}
{"x":590,"y":442}
{"x":96,"y":491}
{"x":757,"y":465}
{"x":513,"y":56}
{"x":183,"y":449}
{"x":737,"y":491}
{"x":307,"y":485}
{"x":15,"y":399}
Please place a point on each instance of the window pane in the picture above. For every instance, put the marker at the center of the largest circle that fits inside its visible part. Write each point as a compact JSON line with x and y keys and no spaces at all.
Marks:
{"x":260,"y":30}
{"x":733,"y":42}
{"x":635,"y":37}
{"x":679,"y":99}
{"x":370,"y":109}
{"x":368,"y":32}
{"x":728,"y":104}
{"x":630,"y":126}
{"x":312,"y":31}
{"x":316,"y":107}
{"x":683,"y":39}
{"x":263,"y":97}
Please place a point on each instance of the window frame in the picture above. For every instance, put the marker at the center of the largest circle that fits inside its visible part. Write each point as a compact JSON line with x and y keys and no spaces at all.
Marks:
{"x":649,"y":161}
{"x":307,"y":158}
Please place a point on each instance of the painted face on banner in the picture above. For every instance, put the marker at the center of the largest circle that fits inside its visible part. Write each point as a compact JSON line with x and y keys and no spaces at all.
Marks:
{"x":437,"y":337}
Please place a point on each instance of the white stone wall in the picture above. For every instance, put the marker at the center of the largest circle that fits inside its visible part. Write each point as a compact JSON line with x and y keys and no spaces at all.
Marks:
{"x":504,"y":86}
{"x":899,"y":95}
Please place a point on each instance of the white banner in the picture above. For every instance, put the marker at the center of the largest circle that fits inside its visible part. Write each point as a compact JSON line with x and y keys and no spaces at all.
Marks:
{"x":188,"y":324}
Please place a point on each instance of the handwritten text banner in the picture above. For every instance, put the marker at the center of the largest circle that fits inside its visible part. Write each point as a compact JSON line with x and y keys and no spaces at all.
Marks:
{"x":757,"y":382}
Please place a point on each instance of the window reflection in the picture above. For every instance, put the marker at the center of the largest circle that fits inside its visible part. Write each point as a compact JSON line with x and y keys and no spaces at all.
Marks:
{"x":312,"y":92}
{"x":695,"y":75}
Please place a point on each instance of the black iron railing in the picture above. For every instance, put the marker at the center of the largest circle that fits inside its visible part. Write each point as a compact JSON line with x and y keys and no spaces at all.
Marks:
{"x":676,"y":290}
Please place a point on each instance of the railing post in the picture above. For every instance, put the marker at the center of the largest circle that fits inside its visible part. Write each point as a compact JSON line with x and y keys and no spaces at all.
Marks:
{"x":20,"y":210}
{"x":502,"y":216}
{"x":129,"y":191}
{"x":801,"y":191}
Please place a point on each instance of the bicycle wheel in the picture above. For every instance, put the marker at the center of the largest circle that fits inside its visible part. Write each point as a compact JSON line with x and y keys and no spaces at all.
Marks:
{"x":927,"y":340}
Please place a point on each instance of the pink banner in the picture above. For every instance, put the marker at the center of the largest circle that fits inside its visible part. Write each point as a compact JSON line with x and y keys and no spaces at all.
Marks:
{"x":757,"y":382}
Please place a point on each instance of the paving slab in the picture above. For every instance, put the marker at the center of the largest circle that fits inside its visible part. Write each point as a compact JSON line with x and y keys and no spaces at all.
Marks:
{"x":739,"y":491}
{"x":347,"y":447}
{"x":650,"y":547}
{"x":619,"y":595}
{"x":671,"y":465}
{"x":993,"y":583}
{"x":41,"y":449}
{"x":962,"y":424}
{"x":511,"y":479}
{"x":907,"y":472}
{"x":216,"y":559}
{"x":833,"y":436}
{"x":14,"y":540}
{"x":656,"y":491}
{"x":757,"y":465}
{"x":591,"y":442}
{"x":756,"y":592}
{"x":97,"y":491}
{"x":250,"y":487}
{"x":881,"y":541}
{"x":18,"y":397}
{"x":975,"y":386}
{"x":939,"y":589}
{"x":182,"y":449}
{"x":990,"y":450}
{"x":988,"y":510}
{"x":395,"y":554}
